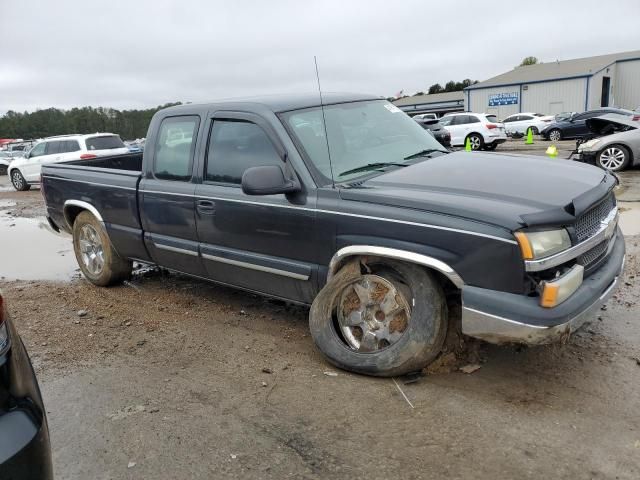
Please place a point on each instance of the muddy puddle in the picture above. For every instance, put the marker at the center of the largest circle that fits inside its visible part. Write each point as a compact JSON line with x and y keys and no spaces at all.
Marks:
{"x":31,"y":250}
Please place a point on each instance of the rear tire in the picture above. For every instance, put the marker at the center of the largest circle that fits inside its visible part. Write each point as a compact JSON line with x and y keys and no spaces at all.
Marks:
{"x":3,"y":169}
{"x":491,"y":146}
{"x":398,"y":310}
{"x":534,"y":130}
{"x":98,"y":260}
{"x":614,"y":158}
{"x":18,"y":181}
{"x":476,"y":140}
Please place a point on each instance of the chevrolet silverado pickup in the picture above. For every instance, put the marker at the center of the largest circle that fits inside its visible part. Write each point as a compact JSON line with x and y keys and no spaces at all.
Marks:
{"x":351,"y":207}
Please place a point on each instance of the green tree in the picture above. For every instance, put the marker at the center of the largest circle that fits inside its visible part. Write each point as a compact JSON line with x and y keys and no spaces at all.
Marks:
{"x":435,"y":88}
{"x":528,"y":61}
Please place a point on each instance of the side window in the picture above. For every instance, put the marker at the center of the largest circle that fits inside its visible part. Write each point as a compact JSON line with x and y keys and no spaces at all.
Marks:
{"x":526,"y":117}
{"x":472,"y":119}
{"x":69,"y":146}
{"x":460,"y":120}
{"x":510,"y":119}
{"x":235,"y":146}
{"x":53,"y":147}
{"x":38,"y":150}
{"x":174,"y":148}
{"x":444,"y":121}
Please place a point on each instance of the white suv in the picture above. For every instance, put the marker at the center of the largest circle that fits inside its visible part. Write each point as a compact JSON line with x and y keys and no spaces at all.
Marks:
{"x":483,"y":130}
{"x":25,"y":171}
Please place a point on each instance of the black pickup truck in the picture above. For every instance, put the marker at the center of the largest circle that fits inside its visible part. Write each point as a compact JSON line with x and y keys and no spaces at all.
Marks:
{"x":357,"y":211}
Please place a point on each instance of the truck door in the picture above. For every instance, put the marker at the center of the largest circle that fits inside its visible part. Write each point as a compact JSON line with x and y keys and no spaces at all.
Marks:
{"x":166,"y":196}
{"x":262,"y":243}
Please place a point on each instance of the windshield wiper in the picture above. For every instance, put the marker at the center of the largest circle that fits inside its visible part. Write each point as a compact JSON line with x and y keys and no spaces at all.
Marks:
{"x":424,"y":153}
{"x":372,"y":166}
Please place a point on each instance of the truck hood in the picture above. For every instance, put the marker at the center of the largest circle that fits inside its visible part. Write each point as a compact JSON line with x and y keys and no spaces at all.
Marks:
{"x":511,"y":191}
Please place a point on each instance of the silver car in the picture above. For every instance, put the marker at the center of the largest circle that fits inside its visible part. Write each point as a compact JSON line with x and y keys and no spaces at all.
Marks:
{"x":617,"y":145}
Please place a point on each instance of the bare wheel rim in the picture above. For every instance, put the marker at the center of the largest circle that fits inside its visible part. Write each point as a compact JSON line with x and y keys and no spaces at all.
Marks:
{"x":612,"y":158}
{"x":475,"y":142}
{"x":372,"y":313}
{"x":555,"y":135}
{"x":17,"y":180}
{"x":91,"y":249}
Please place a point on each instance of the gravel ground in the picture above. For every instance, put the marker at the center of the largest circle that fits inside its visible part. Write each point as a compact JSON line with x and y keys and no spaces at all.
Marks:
{"x":167,"y":377}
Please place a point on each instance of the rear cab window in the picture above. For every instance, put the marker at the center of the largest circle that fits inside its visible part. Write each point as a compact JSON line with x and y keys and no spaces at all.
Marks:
{"x":492,"y":119}
{"x":174,"y":148}
{"x":104,"y":142}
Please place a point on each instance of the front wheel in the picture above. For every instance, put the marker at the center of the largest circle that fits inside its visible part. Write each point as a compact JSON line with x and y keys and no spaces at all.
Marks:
{"x":383,"y":318}
{"x":555,"y":135}
{"x":614,"y":158}
{"x":18,"y":181}
{"x":95,"y":254}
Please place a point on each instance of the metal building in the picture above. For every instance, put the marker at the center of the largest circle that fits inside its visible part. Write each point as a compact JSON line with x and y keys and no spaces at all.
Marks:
{"x":562,"y":86}
{"x":439,"y":103}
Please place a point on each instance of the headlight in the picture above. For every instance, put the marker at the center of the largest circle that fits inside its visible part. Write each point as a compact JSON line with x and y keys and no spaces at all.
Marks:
{"x":588,"y":145}
{"x":542,"y":243}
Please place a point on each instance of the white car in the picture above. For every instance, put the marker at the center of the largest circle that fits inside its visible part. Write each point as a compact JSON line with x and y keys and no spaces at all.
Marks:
{"x":426,"y":116}
{"x":522,"y":122}
{"x":6,"y":157}
{"x":483,"y":130}
{"x":25,"y":171}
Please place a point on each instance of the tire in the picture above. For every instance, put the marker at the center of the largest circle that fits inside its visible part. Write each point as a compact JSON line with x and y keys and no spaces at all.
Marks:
{"x":18,"y":181}
{"x":99,"y":262}
{"x":555,"y":135}
{"x":3,"y":169}
{"x":534,"y":130}
{"x":614,"y":158}
{"x":491,"y":146}
{"x":420,"y":326}
{"x":476,"y":140}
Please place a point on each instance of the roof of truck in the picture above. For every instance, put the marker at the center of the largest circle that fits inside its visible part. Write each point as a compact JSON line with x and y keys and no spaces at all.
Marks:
{"x":286,"y":102}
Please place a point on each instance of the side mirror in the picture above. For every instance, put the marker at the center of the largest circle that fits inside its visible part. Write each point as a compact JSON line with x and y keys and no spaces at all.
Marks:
{"x":267,"y":180}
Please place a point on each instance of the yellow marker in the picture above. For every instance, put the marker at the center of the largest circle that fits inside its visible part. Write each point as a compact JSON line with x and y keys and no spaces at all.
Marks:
{"x":467,"y":145}
{"x":552,"y":151}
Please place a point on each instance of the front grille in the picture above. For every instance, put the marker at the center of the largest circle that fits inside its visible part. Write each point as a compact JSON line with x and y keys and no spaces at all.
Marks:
{"x":591,"y":257}
{"x":589,"y":222}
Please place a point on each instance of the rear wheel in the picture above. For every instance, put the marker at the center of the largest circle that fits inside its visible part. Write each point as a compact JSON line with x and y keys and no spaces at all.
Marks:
{"x":96,"y":257}
{"x":491,"y":146}
{"x":384,"y":318}
{"x":18,"y":181}
{"x":614,"y":158}
{"x":476,"y":141}
{"x":3,"y":169}
{"x":555,"y":135}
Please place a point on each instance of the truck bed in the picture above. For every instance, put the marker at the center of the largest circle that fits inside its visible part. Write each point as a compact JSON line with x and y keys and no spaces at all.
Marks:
{"x":110,"y":186}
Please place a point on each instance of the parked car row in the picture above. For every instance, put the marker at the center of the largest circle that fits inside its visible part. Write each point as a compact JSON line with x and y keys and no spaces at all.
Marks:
{"x":483,"y":131}
{"x":575,"y":125}
{"x":24,"y":171}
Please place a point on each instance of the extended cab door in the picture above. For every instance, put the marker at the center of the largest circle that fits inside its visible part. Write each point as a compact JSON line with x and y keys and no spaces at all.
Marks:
{"x":263,"y":243}
{"x":166,"y":195}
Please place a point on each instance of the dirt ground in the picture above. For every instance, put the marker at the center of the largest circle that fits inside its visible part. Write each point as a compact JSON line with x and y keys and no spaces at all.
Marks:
{"x":167,"y":377}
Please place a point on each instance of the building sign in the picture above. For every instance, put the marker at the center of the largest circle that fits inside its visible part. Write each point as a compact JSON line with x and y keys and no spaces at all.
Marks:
{"x":497,"y":99}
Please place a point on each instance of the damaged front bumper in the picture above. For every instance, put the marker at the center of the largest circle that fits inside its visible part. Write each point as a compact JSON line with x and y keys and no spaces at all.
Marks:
{"x":500,"y":317}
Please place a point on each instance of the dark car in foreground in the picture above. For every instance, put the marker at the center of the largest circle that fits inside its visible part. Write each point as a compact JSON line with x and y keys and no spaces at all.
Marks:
{"x":576,"y":127}
{"x":351,"y":207}
{"x":25,"y":452}
{"x":440,"y":133}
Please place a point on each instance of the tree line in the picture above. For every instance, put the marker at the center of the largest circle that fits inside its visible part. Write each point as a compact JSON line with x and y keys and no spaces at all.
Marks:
{"x":129,"y":124}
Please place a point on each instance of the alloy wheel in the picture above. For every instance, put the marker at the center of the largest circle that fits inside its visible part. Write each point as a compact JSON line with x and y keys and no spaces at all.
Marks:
{"x":92,"y":250}
{"x":372,"y":313}
{"x":17,"y":180}
{"x":555,"y":135}
{"x":612,"y":158}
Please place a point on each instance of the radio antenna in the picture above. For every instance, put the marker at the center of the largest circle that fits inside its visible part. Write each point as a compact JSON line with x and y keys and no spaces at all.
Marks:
{"x":324,"y":122}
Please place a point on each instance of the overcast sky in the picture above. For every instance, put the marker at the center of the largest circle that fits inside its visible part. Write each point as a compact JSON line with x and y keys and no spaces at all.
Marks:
{"x":142,"y":53}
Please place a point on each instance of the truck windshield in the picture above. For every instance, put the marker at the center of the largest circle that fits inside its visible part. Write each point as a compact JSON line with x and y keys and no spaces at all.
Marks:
{"x":360,"y":134}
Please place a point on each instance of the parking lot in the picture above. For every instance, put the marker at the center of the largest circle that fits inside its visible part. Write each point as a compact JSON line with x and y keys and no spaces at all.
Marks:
{"x":169,"y":377}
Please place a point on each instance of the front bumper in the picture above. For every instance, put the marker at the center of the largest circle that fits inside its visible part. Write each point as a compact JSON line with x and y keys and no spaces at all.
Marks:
{"x":500,"y":317}
{"x":586,"y":157}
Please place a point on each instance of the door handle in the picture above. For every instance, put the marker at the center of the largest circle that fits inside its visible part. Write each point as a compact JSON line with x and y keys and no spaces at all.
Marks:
{"x":206,"y":207}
